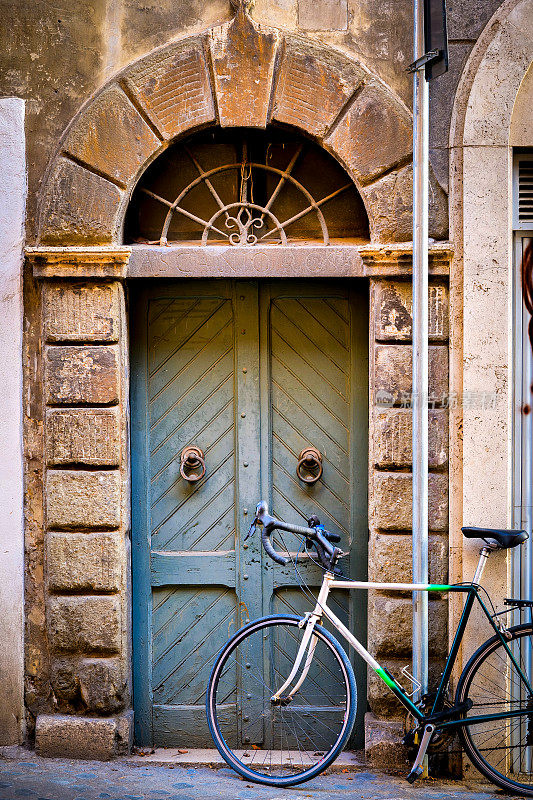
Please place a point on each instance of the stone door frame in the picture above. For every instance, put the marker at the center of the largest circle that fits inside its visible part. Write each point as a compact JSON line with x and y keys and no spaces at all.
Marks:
{"x":86,"y":471}
{"x":487,"y":122}
{"x":80,"y":519}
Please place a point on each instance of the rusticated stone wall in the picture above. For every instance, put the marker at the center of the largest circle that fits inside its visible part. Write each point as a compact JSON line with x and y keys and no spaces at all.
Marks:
{"x":86,"y":519}
{"x":390,"y":497}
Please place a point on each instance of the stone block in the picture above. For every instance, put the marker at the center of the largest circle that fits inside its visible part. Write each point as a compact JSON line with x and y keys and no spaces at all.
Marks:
{"x":374,"y":135}
{"x":323,"y":15}
{"x":442,"y":96}
{"x":83,"y":436}
{"x":392,"y":438}
{"x":173,"y":88}
{"x":390,"y":626}
{"x":84,"y":562}
{"x":85,"y":624}
{"x":103,"y":686}
{"x":78,"y":207}
{"x":390,"y":558}
{"x":383,"y":743}
{"x":124,"y":736}
{"x":313,"y":85}
{"x":467,"y":18}
{"x":112,"y":137}
{"x":65,"y":683}
{"x":392,"y":498}
{"x":243,"y":56}
{"x":393,"y":311}
{"x":82,"y":375}
{"x":76,"y":499}
{"x":393,"y":371}
{"x":63,"y":736}
{"x":439,"y":158}
{"x":389,"y":203}
{"x":81,"y":313}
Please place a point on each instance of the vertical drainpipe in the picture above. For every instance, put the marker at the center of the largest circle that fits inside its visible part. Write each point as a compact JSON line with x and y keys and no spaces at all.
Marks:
{"x":420,"y":352}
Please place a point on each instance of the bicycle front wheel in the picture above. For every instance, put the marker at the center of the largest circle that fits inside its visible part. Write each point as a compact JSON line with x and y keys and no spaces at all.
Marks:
{"x":502,"y":747}
{"x":288,"y":742}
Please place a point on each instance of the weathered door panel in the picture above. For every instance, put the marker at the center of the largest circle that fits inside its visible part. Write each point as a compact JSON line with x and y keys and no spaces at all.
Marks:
{"x":187,"y":571}
{"x":250,"y":373}
{"x":315,"y":337}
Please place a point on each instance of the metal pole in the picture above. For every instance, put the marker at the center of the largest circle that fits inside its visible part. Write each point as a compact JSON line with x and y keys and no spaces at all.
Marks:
{"x":420,"y":352}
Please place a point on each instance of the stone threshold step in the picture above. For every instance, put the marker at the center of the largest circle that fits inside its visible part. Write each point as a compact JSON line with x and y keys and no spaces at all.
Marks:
{"x":352,"y":760}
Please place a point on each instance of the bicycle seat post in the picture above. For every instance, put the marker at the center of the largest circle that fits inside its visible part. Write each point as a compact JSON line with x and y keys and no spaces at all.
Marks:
{"x":484,"y":554}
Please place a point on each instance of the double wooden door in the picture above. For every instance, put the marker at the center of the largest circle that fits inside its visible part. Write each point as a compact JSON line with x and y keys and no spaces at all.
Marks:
{"x":251,"y":373}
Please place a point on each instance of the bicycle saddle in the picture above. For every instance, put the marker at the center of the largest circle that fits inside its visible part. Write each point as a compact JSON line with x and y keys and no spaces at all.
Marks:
{"x":496,"y":538}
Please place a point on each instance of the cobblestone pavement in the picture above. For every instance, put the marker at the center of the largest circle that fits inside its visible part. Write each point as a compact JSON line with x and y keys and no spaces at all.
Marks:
{"x":27,"y":776}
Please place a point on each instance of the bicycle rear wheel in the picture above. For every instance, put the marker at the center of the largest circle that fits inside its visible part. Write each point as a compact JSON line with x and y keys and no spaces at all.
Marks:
{"x":275,"y":743}
{"x":502,"y":749}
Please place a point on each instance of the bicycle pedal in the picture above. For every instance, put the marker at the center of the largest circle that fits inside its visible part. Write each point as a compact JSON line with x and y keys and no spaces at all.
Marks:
{"x":414,"y":774}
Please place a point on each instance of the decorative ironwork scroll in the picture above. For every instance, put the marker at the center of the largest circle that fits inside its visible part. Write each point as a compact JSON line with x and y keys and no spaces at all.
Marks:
{"x":245,"y":222}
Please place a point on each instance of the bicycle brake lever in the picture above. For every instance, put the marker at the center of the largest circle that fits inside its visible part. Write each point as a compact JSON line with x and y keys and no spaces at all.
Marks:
{"x":251,"y":530}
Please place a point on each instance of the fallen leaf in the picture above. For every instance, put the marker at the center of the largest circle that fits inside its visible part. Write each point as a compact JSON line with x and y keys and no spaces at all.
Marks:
{"x":182,"y":750}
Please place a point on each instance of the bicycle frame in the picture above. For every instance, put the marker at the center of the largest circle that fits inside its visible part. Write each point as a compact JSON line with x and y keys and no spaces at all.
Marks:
{"x":437,"y":714}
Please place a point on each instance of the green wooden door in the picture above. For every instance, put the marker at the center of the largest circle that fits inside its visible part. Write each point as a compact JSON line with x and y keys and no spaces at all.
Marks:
{"x":251,"y":373}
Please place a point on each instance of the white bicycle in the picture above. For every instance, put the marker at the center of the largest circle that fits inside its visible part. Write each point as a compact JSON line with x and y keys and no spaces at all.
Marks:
{"x":282,"y":697}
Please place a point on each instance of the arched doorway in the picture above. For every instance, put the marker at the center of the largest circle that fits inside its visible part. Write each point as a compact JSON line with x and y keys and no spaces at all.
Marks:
{"x":238,"y":76}
{"x":251,"y":372}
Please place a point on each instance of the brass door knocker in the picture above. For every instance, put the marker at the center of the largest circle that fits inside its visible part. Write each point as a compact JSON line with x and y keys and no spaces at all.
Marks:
{"x":309,"y":468}
{"x":192,"y":466}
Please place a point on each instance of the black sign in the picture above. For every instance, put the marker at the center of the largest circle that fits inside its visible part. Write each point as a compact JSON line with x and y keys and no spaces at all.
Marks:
{"x":436,"y":37}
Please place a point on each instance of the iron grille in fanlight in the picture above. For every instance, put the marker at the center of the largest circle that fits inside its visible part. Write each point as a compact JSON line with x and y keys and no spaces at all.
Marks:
{"x":242,"y":187}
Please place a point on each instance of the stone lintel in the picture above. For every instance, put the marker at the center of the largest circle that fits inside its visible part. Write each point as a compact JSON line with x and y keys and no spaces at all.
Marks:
{"x":299,"y":260}
{"x":78,"y":262}
{"x":216,"y":261}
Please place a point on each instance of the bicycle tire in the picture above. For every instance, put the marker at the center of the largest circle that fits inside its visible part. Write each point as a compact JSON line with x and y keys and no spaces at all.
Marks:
{"x":272,"y":756}
{"x":490,"y":679}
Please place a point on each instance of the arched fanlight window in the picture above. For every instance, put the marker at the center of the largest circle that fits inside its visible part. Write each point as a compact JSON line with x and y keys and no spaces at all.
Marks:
{"x":245,"y":187}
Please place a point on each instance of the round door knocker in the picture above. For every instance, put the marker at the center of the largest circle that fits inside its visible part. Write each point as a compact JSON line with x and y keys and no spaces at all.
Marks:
{"x":192,"y":466}
{"x":309,"y":468}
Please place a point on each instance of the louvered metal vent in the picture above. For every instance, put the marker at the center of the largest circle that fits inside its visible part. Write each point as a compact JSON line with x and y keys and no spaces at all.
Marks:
{"x":525,"y":192}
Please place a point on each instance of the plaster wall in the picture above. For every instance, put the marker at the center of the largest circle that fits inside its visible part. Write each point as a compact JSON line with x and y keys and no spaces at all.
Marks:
{"x":13,"y":193}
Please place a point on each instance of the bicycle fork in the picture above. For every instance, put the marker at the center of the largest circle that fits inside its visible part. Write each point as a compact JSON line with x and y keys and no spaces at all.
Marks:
{"x":308,"y":644}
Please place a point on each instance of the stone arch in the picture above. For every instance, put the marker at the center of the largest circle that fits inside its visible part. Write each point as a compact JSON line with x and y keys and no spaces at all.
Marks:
{"x":238,"y":74}
{"x":521,"y":131}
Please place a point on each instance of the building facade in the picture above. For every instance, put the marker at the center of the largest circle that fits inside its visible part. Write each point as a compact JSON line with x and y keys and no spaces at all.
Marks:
{"x":216,"y":255}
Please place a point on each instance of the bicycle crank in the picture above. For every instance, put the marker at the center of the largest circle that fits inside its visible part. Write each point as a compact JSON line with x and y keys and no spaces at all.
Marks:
{"x":417,"y":768}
